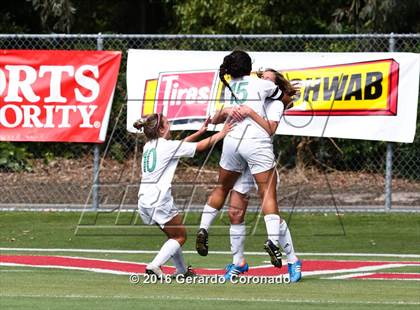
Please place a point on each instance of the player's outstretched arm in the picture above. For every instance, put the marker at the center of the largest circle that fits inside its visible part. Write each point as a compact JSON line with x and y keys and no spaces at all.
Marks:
{"x":198,"y":133}
{"x":220,"y":116}
{"x":210,"y":141}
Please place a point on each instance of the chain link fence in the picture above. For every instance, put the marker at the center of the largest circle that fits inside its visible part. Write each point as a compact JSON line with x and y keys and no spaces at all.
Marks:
{"x":316,"y":174}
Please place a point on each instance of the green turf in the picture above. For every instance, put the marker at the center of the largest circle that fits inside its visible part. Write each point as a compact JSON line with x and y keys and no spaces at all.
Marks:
{"x":408,"y":269}
{"x":56,"y":289}
{"x":31,"y":288}
{"x":365,"y":233}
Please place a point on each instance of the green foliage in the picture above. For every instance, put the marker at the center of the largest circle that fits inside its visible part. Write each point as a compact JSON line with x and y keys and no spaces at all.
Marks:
{"x":217,"y":16}
{"x":296,"y":16}
{"x":210,"y":16}
{"x":116,"y":152}
{"x":359,"y":16}
{"x":354,"y":155}
{"x":56,"y":15}
{"x":8,"y":25}
{"x":14,"y":157}
{"x":407,"y":156}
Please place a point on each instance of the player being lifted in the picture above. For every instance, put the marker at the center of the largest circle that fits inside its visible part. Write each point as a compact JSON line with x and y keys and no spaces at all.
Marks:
{"x":239,"y":194}
{"x":156,"y":204}
{"x":249,"y":145}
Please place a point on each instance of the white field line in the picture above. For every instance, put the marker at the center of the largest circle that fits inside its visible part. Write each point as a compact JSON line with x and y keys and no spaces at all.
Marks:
{"x":211,"y":252}
{"x":110,"y":271}
{"x":140,"y":264}
{"x":349,"y":276}
{"x":104,"y":260}
{"x":215,"y":299}
{"x":16,"y":270}
{"x":364,"y":274}
{"x":97,"y":270}
{"x":358,"y":269}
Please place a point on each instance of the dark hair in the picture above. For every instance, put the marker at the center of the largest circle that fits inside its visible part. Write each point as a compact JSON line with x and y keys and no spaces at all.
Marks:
{"x":150,"y":125}
{"x":236,"y":64}
{"x":284,"y":84}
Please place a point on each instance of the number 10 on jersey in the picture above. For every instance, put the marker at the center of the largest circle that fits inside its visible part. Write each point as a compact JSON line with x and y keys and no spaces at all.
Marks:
{"x":149,"y":160}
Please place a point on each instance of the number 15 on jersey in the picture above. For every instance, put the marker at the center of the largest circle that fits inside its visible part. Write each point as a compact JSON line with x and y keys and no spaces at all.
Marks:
{"x":241,"y":92}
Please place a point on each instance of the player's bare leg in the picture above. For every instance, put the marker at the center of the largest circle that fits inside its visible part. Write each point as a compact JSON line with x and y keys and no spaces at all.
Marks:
{"x":225,"y":183}
{"x":215,"y":202}
{"x":267,"y":189}
{"x":277,"y":230}
{"x":237,"y":208}
{"x":177,"y":235}
{"x":267,"y":184}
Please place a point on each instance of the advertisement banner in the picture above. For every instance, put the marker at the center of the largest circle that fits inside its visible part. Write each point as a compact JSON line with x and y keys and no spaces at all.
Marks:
{"x":55,"y":95}
{"x":369,"y":96}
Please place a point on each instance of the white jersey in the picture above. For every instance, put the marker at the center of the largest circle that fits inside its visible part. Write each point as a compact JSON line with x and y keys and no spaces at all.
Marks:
{"x":253,"y":92}
{"x":257,"y":155}
{"x":273,"y":110}
{"x":159,"y":162}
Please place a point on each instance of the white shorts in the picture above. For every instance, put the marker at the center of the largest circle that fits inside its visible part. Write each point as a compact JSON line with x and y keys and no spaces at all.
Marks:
{"x":246,"y":182}
{"x":158,"y":215}
{"x":237,"y":154}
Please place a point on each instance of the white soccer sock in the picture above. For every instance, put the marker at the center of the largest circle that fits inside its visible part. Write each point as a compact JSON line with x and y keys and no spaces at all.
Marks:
{"x":208,"y":216}
{"x":237,"y":242}
{"x":178,"y":259}
{"x":168,"y":249}
{"x":272,"y":223}
{"x":286,"y":242}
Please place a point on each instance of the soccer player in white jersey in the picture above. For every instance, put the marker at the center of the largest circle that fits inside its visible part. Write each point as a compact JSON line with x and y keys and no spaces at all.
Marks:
{"x":239,"y":194}
{"x":155,"y":203}
{"x":248,"y":144}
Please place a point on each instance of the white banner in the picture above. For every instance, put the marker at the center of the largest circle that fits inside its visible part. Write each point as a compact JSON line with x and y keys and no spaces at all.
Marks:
{"x":369,"y":96}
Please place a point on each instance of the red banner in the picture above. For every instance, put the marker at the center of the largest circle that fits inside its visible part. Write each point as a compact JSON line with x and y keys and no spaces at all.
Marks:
{"x":53,"y":95}
{"x":184,"y":95}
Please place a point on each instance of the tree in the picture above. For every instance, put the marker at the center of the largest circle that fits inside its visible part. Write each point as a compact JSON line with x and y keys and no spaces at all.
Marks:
{"x":295,"y":16}
{"x":17,"y":17}
{"x":259,"y":16}
{"x":56,"y":15}
{"x":377,"y":16}
{"x":218,"y":16}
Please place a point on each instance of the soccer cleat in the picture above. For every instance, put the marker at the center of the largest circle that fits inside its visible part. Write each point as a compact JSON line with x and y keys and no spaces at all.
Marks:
{"x":274,"y":253}
{"x":202,"y":242}
{"x":151,"y":270}
{"x":295,"y":271}
{"x":188,"y":274}
{"x":235,"y":270}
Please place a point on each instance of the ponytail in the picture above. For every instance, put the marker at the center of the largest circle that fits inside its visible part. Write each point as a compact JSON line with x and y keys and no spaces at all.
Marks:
{"x":236,"y":64}
{"x":150,"y":125}
{"x":138,"y":124}
{"x":222,"y":72}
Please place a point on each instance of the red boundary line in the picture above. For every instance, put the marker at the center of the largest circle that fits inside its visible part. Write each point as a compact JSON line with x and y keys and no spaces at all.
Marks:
{"x":131,"y":267}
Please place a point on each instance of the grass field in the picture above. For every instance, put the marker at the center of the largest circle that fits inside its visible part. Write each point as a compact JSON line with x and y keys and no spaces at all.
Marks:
{"x":33,"y":233}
